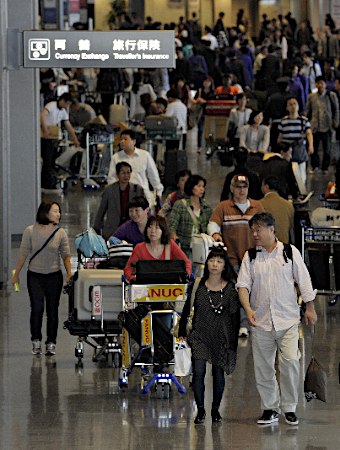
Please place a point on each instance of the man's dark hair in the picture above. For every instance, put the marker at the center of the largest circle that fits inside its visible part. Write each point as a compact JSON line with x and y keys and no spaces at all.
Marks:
{"x":290,"y":98}
{"x":172,"y":93}
{"x":43,"y":210}
{"x":283,"y":147}
{"x":191,"y":182}
{"x":162,"y":101}
{"x":66,"y":97}
{"x":122,"y":164}
{"x":138,"y":202}
{"x":161,"y":222}
{"x":130,"y":133}
{"x":266,"y":219}
{"x":272,"y":182}
{"x":307,"y":53}
{"x":240,"y":96}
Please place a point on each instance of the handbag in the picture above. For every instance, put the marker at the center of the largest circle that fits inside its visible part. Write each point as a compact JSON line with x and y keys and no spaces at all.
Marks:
{"x":315,"y":385}
{"x":41,"y":248}
{"x":174,"y":330}
{"x":300,"y":153}
{"x":182,"y":361}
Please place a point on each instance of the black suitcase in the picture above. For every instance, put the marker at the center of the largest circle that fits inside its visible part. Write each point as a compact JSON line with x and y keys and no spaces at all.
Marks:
{"x":161,"y":271}
{"x":175,"y":160}
{"x":131,"y":320}
{"x":162,"y":339}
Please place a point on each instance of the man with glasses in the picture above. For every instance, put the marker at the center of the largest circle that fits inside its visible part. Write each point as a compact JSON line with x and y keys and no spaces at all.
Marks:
{"x":229,"y":224}
{"x":266,"y":287}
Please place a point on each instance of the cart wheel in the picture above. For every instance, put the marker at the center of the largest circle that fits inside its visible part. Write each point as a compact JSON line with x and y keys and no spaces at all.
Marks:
{"x":333,"y":301}
{"x":117,"y":359}
{"x":209,"y":152}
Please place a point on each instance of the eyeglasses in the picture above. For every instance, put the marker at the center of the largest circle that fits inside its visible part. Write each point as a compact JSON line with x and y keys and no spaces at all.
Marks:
{"x":240,"y":186}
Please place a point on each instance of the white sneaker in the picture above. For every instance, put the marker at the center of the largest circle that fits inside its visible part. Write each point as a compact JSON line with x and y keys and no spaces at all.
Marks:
{"x":36,"y":347}
{"x":50,"y":348}
{"x":243,"y":332}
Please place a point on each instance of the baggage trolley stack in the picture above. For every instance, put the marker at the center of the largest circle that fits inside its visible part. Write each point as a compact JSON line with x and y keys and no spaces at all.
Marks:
{"x":96,"y":169}
{"x":95,"y":300}
{"x":149,"y":324}
{"x":216,"y":114}
{"x":321,"y":252}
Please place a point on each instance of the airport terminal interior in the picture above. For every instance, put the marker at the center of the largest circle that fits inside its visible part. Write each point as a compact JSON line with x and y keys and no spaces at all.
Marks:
{"x":54,"y":402}
{"x":48,"y":402}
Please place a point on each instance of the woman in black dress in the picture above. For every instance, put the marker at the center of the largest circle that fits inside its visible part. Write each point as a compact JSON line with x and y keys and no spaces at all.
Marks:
{"x":214,"y":334}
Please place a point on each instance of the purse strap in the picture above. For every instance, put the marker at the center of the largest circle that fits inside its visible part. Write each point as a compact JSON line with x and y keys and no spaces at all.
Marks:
{"x":167,"y":251}
{"x":42,"y":248}
{"x":193,"y":293}
{"x":191,"y":212}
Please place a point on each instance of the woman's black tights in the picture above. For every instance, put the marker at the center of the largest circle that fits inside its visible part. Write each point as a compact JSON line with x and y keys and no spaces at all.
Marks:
{"x":199,"y":369}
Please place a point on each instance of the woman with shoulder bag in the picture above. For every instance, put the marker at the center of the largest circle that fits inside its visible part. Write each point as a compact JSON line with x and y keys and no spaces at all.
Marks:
{"x":214,"y":335}
{"x":45,"y":243}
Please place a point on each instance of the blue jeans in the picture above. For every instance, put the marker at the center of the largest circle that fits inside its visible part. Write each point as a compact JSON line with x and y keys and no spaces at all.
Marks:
{"x":199,"y":369}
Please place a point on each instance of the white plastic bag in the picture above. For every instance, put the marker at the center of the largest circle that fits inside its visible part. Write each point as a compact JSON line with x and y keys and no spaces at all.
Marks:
{"x":182,"y":361}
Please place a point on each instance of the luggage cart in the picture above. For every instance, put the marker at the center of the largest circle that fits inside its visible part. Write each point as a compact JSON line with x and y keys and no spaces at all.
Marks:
{"x":95,"y":169}
{"x":215,"y":129}
{"x":95,"y":300}
{"x":154,"y":352}
{"x":321,"y":252}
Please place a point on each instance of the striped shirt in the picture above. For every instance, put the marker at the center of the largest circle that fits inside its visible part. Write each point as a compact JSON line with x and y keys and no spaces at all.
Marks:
{"x":293,"y":130}
{"x":234,"y":225}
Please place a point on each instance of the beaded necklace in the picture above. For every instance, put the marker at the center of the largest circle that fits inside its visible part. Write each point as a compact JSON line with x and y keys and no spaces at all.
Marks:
{"x":218,"y":309}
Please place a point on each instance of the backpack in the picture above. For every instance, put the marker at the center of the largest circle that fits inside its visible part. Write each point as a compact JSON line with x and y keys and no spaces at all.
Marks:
{"x":287,"y":253}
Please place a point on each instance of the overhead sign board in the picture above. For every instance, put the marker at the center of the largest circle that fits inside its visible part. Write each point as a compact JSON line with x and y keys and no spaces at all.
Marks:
{"x":149,"y":49}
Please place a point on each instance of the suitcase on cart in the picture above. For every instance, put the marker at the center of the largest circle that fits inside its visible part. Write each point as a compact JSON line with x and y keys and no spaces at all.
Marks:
{"x":162,"y":127}
{"x":219,"y":107}
{"x":118,"y":111}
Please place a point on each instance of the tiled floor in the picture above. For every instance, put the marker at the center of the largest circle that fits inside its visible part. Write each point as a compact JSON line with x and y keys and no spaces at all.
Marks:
{"x":47,"y":403}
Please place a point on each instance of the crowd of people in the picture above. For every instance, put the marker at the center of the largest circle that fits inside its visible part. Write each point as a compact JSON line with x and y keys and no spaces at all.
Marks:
{"x":286,"y":88}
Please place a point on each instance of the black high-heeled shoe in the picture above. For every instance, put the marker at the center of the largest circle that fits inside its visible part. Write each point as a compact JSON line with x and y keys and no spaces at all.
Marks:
{"x":215,"y":416}
{"x":199,"y":419}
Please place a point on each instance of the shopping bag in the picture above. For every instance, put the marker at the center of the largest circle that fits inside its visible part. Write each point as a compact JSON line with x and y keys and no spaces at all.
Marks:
{"x":315,"y":386}
{"x":182,"y":361}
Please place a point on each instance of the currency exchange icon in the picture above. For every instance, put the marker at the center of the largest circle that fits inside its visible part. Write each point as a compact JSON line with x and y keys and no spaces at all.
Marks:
{"x":39,"y":49}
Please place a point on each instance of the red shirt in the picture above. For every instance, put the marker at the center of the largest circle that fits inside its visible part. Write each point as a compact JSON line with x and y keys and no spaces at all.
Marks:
{"x":140,"y":252}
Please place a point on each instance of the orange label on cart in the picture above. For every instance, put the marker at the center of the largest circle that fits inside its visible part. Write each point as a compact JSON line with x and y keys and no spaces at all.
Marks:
{"x":146,"y":330}
{"x":159,"y":293}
